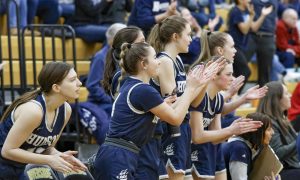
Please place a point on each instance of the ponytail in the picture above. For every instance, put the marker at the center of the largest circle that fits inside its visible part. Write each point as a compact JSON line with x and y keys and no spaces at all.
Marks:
{"x":109,"y":70}
{"x":154,"y":38}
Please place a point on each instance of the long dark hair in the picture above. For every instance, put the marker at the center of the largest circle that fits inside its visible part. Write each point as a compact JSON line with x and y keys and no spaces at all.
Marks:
{"x":51,"y":73}
{"x":129,"y":35}
{"x":270,"y":105}
{"x":256,"y":138}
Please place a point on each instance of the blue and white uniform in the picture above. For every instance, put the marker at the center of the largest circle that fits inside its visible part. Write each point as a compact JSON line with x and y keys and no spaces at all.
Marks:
{"x":132,"y":126}
{"x":177,"y":150}
{"x":238,"y":149}
{"x":40,"y":139}
{"x":207,"y":158}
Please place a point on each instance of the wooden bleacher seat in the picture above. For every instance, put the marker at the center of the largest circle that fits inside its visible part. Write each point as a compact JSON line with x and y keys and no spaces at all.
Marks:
{"x":253,"y":68}
{"x":83,"y":50}
{"x":83,"y":53}
{"x":244,"y":111}
{"x":291,"y":86}
{"x":222,"y":12}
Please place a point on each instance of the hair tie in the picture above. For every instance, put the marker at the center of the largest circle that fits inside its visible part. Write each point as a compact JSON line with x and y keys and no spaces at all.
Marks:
{"x":129,"y":45}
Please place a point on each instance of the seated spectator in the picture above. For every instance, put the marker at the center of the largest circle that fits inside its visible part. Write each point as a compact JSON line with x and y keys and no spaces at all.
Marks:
{"x":287,"y":38}
{"x":92,"y":18}
{"x":146,"y":13}
{"x":95,"y":113}
{"x":240,"y":150}
{"x":294,"y":111}
{"x":198,"y":11}
{"x":275,"y":104}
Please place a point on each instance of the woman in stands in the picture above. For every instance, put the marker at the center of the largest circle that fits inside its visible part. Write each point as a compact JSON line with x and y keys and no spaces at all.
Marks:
{"x":33,"y":123}
{"x":240,"y":150}
{"x":275,"y":104}
{"x":134,"y":110}
{"x":206,"y":116}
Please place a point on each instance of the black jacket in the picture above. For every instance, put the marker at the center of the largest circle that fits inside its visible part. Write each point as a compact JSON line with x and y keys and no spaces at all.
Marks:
{"x":101,"y":12}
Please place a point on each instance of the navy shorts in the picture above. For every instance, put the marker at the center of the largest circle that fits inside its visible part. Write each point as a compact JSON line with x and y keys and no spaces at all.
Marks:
{"x":220,"y":167}
{"x":11,"y":172}
{"x":177,"y":150}
{"x":115,"y":163}
{"x":207,"y":160}
{"x":149,"y":160}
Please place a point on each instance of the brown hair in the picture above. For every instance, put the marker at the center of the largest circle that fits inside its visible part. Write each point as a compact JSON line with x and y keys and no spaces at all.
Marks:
{"x":209,"y":41}
{"x":270,"y":105}
{"x":130,"y":55}
{"x":51,"y":73}
{"x":162,"y":32}
{"x":256,"y":138}
{"x":129,"y":35}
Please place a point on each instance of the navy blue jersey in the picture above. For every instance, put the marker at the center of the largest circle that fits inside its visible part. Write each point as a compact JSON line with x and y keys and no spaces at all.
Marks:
{"x":237,"y":150}
{"x":205,"y":156}
{"x":131,"y":119}
{"x":179,"y":75}
{"x":209,"y":108}
{"x":43,"y":136}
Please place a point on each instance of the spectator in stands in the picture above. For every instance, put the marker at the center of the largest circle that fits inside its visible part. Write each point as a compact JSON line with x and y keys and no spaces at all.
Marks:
{"x":262,"y":38}
{"x":67,"y":10}
{"x":287,"y":39}
{"x":197,"y":7}
{"x":294,"y":111}
{"x":92,"y":17}
{"x":240,"y":150}
{"x":275,"y":104}
{"x":95,"y":113}
{"x":146,"y":13}
{"x":32,"y":125}
{"x":240,"y":22}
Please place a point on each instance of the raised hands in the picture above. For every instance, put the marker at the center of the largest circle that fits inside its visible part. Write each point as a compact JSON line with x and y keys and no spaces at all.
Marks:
{"x":172,"y":8}
{"x":235,"y":86}
{"x":256,"y":92}
{"x":266,"y":10}
{"x":244,"y":125}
